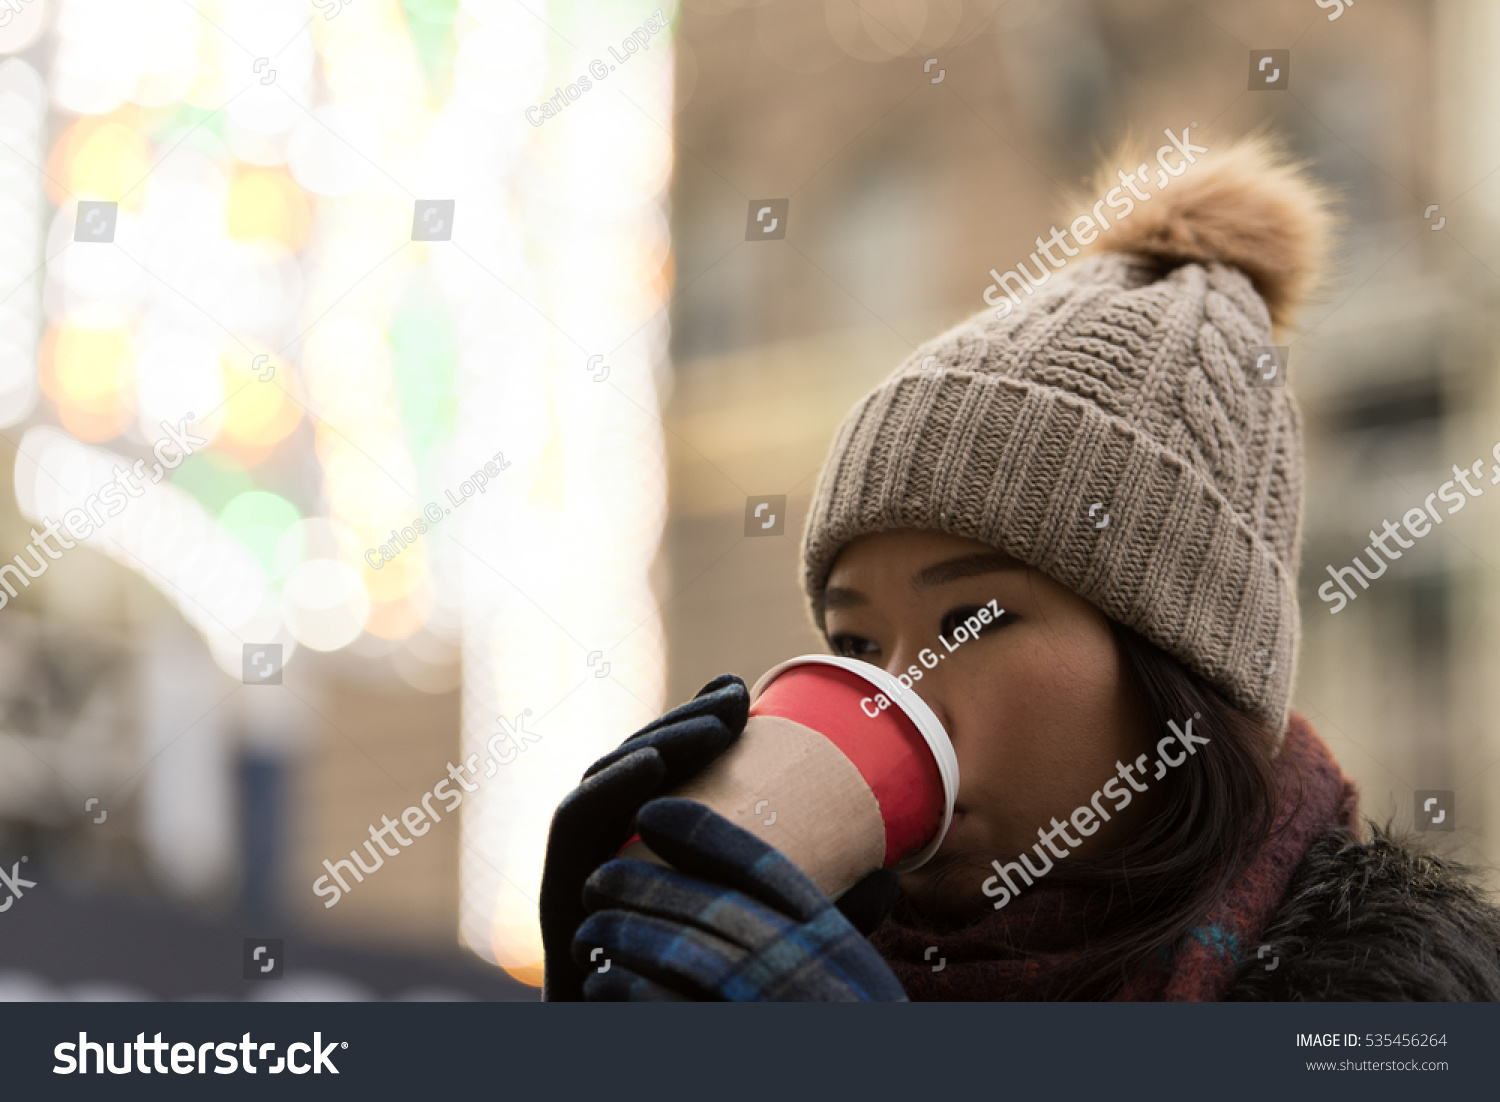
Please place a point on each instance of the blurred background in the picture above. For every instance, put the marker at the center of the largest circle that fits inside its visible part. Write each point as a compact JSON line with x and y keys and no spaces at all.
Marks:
{"x":347,"y":253}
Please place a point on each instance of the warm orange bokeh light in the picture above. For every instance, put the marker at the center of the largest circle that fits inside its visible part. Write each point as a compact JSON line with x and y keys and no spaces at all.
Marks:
{"x":258,"y":413}
{"x":90,"y":374}
{"x":529,"y":974}
{"x":99,"y":157}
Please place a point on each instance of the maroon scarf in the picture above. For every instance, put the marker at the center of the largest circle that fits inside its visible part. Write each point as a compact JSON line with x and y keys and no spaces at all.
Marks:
{"x":1048,"y":922}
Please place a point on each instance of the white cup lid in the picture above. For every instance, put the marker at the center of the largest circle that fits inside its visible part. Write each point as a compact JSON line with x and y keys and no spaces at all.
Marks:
{"x":920,"y":714}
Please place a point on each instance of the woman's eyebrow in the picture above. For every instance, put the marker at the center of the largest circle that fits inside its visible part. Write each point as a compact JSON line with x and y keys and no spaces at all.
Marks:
{"x":968,"y":566}
{"x":841,"y":597}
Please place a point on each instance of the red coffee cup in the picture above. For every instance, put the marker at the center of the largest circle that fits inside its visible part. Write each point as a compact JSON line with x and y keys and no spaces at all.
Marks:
{"x":841,"y":767}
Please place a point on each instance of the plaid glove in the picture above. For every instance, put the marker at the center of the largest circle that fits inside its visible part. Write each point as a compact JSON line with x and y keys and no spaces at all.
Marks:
{"x":594,"y":820}
{"x":732,"y":919}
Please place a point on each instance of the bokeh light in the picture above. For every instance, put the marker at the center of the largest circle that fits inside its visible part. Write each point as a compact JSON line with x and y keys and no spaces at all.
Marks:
{"x":258,"y":413}
{"x":588,"y":458}
{"x":99,"y":159}
{"x":90,"y":374}
{"x":267,"y":203}
{"x":258,"y":520}
{"x":23,"y":105}
{"x":325,"y":604}
{"x":262,"y":288}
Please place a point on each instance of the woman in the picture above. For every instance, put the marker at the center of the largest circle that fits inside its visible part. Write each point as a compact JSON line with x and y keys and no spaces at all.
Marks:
{"x":1139,"y":816}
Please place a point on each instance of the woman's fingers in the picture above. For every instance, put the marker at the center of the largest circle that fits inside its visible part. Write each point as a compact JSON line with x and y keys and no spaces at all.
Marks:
{"x":824,"y":960}
{"x":682,"y":958}
{"x":588,"y":827}
{"x":594,"y":820}
{"x":651,"y":889}
{"x":687,"y":747}
{"x":596,"y":812}
{"x":702,"y":843}
{"x":616,"y":983}
{"x":725,"y":698}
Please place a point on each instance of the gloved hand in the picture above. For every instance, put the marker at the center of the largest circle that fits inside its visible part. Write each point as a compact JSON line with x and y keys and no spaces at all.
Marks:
{"x":594,"y":820}
{"x":732,"y":919}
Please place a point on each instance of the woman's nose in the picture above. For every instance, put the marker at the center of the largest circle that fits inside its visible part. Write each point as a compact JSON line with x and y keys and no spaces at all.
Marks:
{"x":935,"y":702}
{"x":928,"y":686}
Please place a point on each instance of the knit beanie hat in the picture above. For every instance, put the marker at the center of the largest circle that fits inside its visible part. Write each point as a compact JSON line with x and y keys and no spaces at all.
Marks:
{"x":1131,"y":383}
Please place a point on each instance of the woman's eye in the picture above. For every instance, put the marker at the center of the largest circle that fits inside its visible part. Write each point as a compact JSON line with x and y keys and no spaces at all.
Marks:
{"x":853,"y":646}
{"x":956,"y":616}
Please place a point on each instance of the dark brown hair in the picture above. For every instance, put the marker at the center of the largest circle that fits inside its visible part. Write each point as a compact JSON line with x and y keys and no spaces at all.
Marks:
{"x":1215,"y":810}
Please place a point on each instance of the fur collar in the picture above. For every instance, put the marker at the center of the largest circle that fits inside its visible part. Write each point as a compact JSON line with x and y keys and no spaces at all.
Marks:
{"x":1376,"y":921}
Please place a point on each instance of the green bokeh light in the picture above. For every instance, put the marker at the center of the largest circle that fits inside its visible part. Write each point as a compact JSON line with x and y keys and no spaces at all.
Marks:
{"x":424,"y":350}
{"x":430,"y":23}
{"x":258,"y":520}
{"x":213,"y":478}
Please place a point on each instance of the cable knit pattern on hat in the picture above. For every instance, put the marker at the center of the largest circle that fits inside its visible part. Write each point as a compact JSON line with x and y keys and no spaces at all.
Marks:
{"x":1125,"y":380}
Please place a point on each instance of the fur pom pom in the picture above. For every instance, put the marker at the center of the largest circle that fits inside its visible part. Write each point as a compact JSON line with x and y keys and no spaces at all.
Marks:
{"x":1246,"y":206}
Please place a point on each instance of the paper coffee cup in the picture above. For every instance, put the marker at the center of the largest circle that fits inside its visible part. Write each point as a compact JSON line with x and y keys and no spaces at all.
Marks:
{"x":841,"y":767}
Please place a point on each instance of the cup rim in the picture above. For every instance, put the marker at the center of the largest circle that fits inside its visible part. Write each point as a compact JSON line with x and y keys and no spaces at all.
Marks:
{"x":917,"y":711}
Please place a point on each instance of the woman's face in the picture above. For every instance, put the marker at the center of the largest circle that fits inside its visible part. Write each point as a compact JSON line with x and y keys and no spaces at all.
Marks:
{"x":1039,"y":706}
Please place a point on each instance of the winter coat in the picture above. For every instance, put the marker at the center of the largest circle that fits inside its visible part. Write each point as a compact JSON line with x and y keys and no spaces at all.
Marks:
{"x":1376,"y":921}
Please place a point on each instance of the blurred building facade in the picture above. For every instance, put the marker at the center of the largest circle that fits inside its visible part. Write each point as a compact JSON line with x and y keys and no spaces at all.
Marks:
{"x":909,"y":178}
